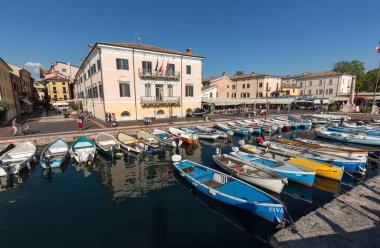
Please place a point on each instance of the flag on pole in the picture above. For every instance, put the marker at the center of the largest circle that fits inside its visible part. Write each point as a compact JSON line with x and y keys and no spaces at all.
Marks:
{"x":160,"y":70}
{"x":378,"y":48}
{"x":156,"y":65}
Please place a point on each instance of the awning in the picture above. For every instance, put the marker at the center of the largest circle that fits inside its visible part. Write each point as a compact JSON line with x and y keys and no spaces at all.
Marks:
{"x":25,"y":100}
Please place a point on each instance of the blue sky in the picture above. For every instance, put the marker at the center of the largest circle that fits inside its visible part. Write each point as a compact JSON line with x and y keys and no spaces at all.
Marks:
{"x":273,"y":37}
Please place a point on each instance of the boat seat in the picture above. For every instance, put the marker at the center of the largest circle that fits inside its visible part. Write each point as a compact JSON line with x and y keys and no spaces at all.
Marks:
{"x":212,"y":184}
{"x":13,"y":160}
{"x":108,"y":142}
{"x":188,"y":169}
{"x":19,"y":154}
{"x":56,"y":150}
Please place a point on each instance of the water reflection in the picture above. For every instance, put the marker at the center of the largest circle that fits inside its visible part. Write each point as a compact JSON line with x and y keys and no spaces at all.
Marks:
{"x":326,"y":184}
{"x":135,"y":175}
{"x":49,"y":173}
{"x":12,"y":182}
{"x":297,"y":191}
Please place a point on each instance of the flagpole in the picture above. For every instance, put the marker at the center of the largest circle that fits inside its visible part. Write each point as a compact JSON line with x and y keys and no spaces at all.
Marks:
{"x":374,"y":93}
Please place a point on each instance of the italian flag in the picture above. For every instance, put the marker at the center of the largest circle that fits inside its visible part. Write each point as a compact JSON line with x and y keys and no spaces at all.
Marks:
{"x":378,"y":48}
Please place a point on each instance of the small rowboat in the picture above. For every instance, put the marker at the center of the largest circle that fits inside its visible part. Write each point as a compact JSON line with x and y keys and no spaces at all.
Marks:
{"x":16,"y":159}
{"x":166,"y":138}
{"x":255,"y":175}
{"x":184,"y":136}
{"x":107,"y":144}
{"x":83,"y":150}
{"x":287,"y":170}
{"x":221,"y":134}
{"x":230,"y":190}
{"x":201,"y":135}
{"x":362,"y":138}
{"x":150,"y":141}
{"x":236,"y":131}
{"x":54,"y":154}
{"x":129,"y":143}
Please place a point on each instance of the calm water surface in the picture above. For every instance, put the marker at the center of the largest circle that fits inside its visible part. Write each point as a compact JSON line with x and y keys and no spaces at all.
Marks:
{"x":137,"y":201}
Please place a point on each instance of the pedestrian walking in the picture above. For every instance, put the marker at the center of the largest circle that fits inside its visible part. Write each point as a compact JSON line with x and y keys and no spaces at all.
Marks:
{"x":15,"y":127}
{"x":80,"y":122}
{"x":113,"y":119}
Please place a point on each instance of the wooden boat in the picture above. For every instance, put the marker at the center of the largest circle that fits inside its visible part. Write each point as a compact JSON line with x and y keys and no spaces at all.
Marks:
{"x":107,"y":144}
{"x":229,"y":190}
{"x":321,"y":169}
{"x":83,"y":150}
{"x":201,"y":135}
{"x":287,"y":170}
{"x":184,"y":136}
{"x":221,"y":134}
{"x":150,"y":141}
{"x":342,"y":151}
{"x":356,"y":166}
{"x":166,"y":139}
{"x":54,"y":154}
{"x":16,"y":159}
{"x":236,"y":131}
{"x":129,"y":143}
{"x":361,"y":139}
{"x":255,"y":175}
{"x":234,"y":125}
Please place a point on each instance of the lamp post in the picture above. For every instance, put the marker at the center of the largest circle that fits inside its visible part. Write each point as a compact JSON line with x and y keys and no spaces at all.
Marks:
{"x":375,"y":109}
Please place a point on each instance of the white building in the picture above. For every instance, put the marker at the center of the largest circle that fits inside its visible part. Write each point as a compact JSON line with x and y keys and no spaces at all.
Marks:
{"x":327,"y":84}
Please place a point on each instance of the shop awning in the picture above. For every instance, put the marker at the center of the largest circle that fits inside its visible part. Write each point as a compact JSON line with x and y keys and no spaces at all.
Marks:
{"x":25,"y":100}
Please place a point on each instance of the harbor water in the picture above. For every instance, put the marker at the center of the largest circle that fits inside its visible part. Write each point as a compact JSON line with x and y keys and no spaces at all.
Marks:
{"x":139,"y":201}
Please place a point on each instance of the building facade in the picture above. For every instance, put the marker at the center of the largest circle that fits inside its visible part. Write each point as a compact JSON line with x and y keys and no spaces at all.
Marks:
{"x":6,"y":90}
{"x":328,"y":84}
{"x":40,"y":88}
{"x":256,"y":85}
{"x":289,"y":90}
{"x":134,"y":80}
{"x":218,"y":87}
{"x":23,"y":89}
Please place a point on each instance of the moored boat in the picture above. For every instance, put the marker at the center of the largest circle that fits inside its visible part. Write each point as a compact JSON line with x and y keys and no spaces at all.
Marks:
{"x":229,"y":190}
{"x":129,"y":143}
{"x":221,"y":134}
{"x":201,"y":135}
{"x":54,"y":154}
{"x":17,"y":158}
{"x":83,"y":150}
{"x":362,"y":138}
{"x":236,"y":131}
{"x":107,"y":144}
{"x":255,"y":175}
{"x":150,"y":141}
{"x":167,"y":139}
{"x":287,"y":170}
{"x":184,"y":136}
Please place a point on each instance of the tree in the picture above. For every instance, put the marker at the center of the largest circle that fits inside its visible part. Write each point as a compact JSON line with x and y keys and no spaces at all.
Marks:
{"x":369,"y":80}
{"x":5,"y":108}
{"x":238,"y":73}
{"x":355,"y":68}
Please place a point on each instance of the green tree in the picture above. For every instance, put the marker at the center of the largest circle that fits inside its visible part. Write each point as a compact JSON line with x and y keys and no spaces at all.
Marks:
{"x":3,"y":113}
{"x":238,"y":73}
{"x":369,"y":81}
{"x":355,"y":68}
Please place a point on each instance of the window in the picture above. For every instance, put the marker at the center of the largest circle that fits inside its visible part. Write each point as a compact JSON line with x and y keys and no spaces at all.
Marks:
{"x":243,"y":86}
{"x":170,"y":70}
{"x":233,"y":87}
{"x":210,"y":94}
{"x":310,"y":83}
{"x":170,"y":90}
{"x":248,"y":85}
{"x":189,"y":91}
{"x":228,"y":86}
{"x":89,"y":73}
{"x":93,"y":69}
{"x":64,"y":97}
{"x":228,"y":95}
{"x":301,"y":84}
{"x":99,"y":64}
{"x":293,"y":90}
{"x":316,"y":92}
{"x":320,"y":82}
{"x":188,"y":69}
{"x":147,"y":67}
{"x":309,"y":92}
{"x":85,"y":77}
{"x":260,"y":85}
{"x":100,"y":90}
{"x":125,"y":90}
{"x":160,"y":112}
{"x":125,"y":113}
{"x":53,"y":83}
{"x":64,"y":90}
{"x":95,"y":92}
{"x":330,"y":81}
{"x":148,"y":90}
{"x":122,"y":64}
{"x":248,"y":95}
{"x":63,"y":69}
{"x":330,"y":91}
{"x":55,"y":98}
{"x":301,"y":93}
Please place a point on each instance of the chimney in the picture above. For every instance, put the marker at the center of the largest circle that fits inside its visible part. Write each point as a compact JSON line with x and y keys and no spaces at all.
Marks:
{"x":224,"y":73}
{"x":90,"y":46}
{"x":188,"y":50}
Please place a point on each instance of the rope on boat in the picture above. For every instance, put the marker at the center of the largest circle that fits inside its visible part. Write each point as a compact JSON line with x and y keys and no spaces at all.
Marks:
{"x":292,"y":224}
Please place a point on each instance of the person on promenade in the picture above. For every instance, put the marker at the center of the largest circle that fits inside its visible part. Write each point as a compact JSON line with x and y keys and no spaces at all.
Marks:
{"x":109,"y":119}
{"x":113,"y":120}
{"x":15,"y":127}
{"x":80,"y":122}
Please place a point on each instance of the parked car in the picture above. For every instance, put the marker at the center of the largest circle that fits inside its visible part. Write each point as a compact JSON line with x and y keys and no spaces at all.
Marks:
{"x":199,"y":112}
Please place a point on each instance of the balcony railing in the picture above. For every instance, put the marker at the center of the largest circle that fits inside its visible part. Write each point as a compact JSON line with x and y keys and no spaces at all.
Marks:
{"x":160,"y":99}
{"x":156,"y":74}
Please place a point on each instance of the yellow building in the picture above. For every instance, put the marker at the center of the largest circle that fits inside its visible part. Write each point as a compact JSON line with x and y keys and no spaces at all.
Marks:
{"x":40,"y":88}
{"x":6,"y":91}
{"x":289,"y":90}
{"x":58,"y":88}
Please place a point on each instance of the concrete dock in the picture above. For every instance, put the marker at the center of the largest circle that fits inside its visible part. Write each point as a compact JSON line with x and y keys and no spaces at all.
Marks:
{"x":350,"y":220}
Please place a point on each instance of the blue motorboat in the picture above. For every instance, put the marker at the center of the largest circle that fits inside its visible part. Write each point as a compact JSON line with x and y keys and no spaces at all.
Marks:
{"x":293,"y":173}
{"x":201,"y":135}
{"x":54,"y":154}
{"x":230,"y":190}
{"x":236,"y":131}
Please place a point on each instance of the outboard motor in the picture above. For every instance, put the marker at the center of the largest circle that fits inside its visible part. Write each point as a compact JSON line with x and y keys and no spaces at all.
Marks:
{"x":217,"y":151}
{"x":241,"y":142}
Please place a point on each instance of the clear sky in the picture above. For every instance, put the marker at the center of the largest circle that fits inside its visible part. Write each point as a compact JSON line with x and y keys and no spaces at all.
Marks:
{"x":267,"y":36}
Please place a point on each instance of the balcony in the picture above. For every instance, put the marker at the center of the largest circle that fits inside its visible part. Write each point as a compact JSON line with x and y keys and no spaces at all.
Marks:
{"x":174,"y":75}
{"x":160,"y":100}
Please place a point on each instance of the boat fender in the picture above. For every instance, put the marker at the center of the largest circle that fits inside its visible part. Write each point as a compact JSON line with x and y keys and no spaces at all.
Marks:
{"x":241,"y":142}
{"x":235,"y":149}
{"x":230,"y":133}
{"x":259,"y":140}
{"x":176,"y":158}
{"x":89,"y":162}
{"x":217,"y":151}
{"x":28,"y":165}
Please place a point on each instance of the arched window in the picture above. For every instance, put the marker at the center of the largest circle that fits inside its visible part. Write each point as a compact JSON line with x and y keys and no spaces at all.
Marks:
{"x":125,"y":113}
{"x":160,"y":112}
{"x":189,"y":110}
